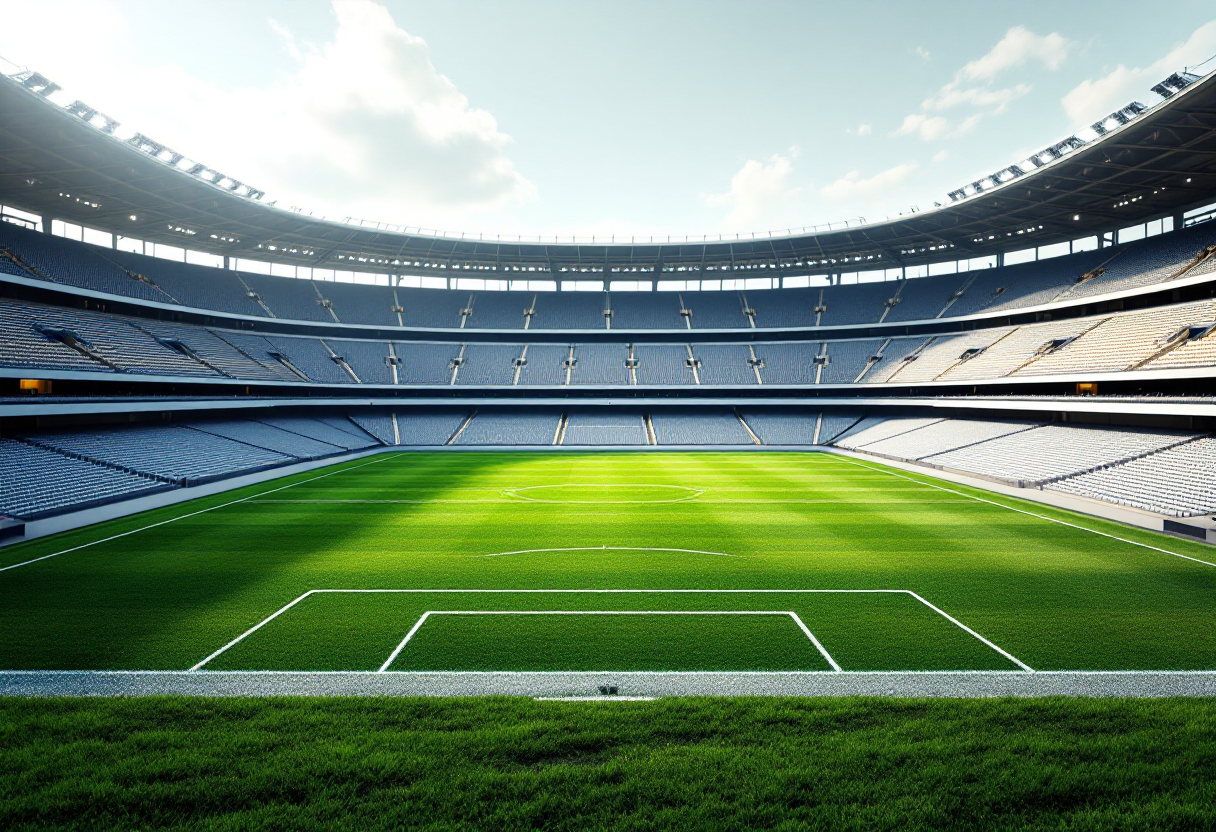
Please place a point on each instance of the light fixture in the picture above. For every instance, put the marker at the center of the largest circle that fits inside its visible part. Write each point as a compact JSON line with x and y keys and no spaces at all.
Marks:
{"x":1076,"y":217}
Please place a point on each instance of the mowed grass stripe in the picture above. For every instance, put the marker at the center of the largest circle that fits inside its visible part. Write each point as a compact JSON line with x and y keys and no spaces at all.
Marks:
{"x":1056,"y":597}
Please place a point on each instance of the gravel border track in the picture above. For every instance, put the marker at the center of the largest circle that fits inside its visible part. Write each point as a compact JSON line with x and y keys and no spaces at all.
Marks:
{"x":587,"y":684}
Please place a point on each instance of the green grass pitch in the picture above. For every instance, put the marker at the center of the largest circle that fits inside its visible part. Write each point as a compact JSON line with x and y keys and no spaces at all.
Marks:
{"x":887,"y":570}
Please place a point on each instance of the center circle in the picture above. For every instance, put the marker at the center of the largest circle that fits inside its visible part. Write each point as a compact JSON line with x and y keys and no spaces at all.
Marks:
{"x":605,"y":493}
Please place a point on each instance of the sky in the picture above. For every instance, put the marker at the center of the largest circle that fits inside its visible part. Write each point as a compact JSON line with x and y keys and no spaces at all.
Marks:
{"x":631,"y":119}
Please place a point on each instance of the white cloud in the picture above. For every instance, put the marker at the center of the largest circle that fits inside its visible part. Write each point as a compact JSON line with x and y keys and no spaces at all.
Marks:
{"x":1094,"y":98}
{"x":972,"y":86}
{"x":929,"y":128}
{"x":940,"y":156}
{"x":758,"y":191}
{"x":922,"y":53}
{"x":864,"y":129}
{"x":363,"y":123}
{"x":851,"y":185}
{"x":1018,"y":47}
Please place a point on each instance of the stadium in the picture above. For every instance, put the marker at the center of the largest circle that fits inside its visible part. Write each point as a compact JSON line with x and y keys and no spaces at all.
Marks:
{"x":962,"y":452}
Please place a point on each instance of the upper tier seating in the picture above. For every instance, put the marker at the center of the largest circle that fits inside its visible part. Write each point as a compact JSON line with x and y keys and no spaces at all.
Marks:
{"x":35,"y":336}
{"x":663,"y":364}
{"x":1143,"y":263}
{"x":489,"y":364}
{"x":1132,"y":265}
{"x":198,"y":287}
{"x":355,"y":303}
{"x":74,"y":264}
{"x":645,"y":310}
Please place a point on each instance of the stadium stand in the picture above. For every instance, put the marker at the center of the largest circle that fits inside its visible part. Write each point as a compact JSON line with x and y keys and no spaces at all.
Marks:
{"x":942,"y":354}
{"x":169,"y":453}
{"x":422,"y":427}
{"x":1144,"y":263}
{"x":941,"y":436}
{"x":262,"y":352}
{"x":509,"y":428}
{"x":1175,"y":481}
{"x":890,"y":358}
{"x":699,"y":427}
{"x":198,"y":287}
{"x":368,"y":359}
{"x":268,"y":437}
{"x":1155,"y":260}
{"x":782,"y":308}
{"x":570,"y":310}
{"x":714,"y":310}
{"x":782,"y":427}
{"x":1026,"y":284}
{"x":1123,"y":341}
{"x":426,"y":363}
{"x":543,"y":364}
{"x":873,"y":429}
{"x":321,"y":430}
{"x":489,"y":364}
{"x":72,"y":263}
{"x":499,"y":310}
{"x":847,"y":360}
{"x":615,"y":428}
{"x":924,"y":298}
{"x":834,"y":423}
{"x":289,"y":298}
{"x":378,"y":423}
{"x":312,"y":357}
{"x":599,"y":364}
{"x":1018,"y":348}
{"x":725,"y":364}
{"x":664,"y":364}
{"x":1034,"y":457}
{"x":431,"y":308}
{"x":355,"y":303}
{"x":788,"y":362}
{"x":38,"y":482}
{"x":645,"y":310}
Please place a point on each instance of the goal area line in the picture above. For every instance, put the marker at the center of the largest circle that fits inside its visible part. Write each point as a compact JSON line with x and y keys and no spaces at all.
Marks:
{"x":1023,"y":667}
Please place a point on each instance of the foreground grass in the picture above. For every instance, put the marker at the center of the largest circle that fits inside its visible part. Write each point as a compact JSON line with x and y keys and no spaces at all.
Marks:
{"x":672,"y":764}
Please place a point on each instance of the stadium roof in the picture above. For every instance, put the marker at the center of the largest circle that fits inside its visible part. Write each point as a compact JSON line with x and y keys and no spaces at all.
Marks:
{"x":60,"y":162}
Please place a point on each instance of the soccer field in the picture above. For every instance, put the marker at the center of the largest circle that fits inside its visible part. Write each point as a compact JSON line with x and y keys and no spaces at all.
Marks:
{"x":608,"y":562}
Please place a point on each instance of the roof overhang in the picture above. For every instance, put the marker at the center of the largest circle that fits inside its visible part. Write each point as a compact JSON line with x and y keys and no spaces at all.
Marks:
{"x":56,"y":164}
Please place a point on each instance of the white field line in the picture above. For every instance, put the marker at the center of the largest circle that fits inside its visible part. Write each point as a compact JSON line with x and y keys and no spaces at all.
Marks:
{"x":517,"y":494}
{"x":253,"y":629}
{"x":972,"y":632}
{"x":625,"y":502}
{"x":805,"y":629}
{"x":827,"y":656}
{"x":1033,"y":514}
{"x":611,"y":549}
{"x":381,"y":458}
{"x":393,"y":657}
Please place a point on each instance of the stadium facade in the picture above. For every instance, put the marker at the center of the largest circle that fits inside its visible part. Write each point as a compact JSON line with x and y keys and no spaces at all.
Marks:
{"x":1049,"y":329}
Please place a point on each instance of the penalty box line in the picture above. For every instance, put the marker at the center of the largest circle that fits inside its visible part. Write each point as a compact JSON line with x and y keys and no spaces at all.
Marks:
{"x":987,"y":642}
{"x":418,"y":624}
